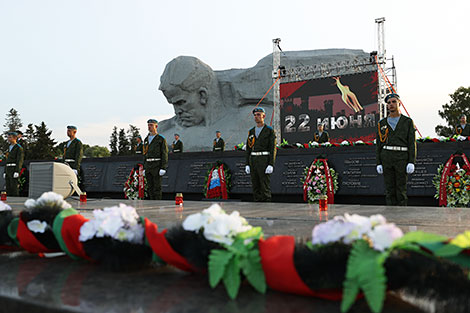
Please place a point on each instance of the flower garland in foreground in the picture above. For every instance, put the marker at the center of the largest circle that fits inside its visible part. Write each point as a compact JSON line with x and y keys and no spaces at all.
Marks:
{"x":347,"y":255}
{"x":452,"y":183}
{"x":315,"y":181}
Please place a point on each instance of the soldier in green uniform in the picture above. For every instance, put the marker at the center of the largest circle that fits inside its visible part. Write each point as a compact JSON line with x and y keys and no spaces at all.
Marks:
{"x":395,"y":151}
{"x":73,"y":150}
{"x":155,"y":161}
{"x":219,"y":144}
{"x":260,"y":156}
{"x":463,"y":129}
{"x":14,"y":163}
{"x":140,"y":147}
{"x":321,"y":136}
{"x":177,"y":145}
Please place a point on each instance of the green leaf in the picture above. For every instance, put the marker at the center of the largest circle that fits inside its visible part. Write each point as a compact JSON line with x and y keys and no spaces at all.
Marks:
{"x":253,"y":271}
{"x":218,"y":260}
{"x":255,"y":232}
{"x":448,"y":250}
{"x":364,"y":271}
{"x":232,"y":277}
{"x":417,"y":237}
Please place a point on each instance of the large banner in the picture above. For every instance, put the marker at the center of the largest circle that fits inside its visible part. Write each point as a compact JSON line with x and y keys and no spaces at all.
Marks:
{"x":347,"y":106}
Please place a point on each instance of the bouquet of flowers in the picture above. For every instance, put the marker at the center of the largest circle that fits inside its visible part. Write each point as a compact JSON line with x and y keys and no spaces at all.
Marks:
{"x":457,"y":185}
{"x":115,"y":238}
{"x":218,"y":181}
{"x":315,"y":181}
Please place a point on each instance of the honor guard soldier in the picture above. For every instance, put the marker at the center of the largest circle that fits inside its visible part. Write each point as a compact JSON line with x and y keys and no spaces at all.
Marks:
{"x":155,"y":160}
{"x":321,"y":136}
{"x":177,"y":146}
{"x":140,"y":147}
{"x":463,"y":129}
{"x":14,"y":163}
{"x":73,"y":150}
{"x":395,"y":151}
{"x":219,"y":144}
{"x":260,"y":156}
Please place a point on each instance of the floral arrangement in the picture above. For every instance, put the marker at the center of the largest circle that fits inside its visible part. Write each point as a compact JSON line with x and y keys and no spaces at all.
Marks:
{"x":240,"y":146}
{"x":131,"y":186}
{"x":218,"y":181}
{"x":315,"y":181}
{"x":240,"y":253}
{"x":346,"y":255}
{"x":457,"y":185}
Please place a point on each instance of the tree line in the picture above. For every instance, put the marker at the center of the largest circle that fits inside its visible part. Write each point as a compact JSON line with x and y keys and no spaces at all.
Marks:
{"x":39,"y":144}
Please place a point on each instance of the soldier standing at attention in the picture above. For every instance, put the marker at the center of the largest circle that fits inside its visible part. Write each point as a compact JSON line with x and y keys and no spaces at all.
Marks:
{"x":219,"y":144}
{"x":156,"y":160}
{"x":177,"y":146}
{"x":463,"y":129}
{"x":260,"y":156}
{"x":321,"y":136}
{"x":140,"y":147}
{"x":395,"y":151}
{"x":73,"y":150}
{"x":14,"y":163}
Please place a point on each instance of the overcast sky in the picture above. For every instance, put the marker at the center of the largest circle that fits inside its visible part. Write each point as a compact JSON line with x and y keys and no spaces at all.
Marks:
{"x":97,"y":63}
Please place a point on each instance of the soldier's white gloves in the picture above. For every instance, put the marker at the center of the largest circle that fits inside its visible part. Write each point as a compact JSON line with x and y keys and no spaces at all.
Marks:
{"x":4,"y":175}
{"x":76,"y":172}
{"x":269,"y":169}
{"x":410,"y":168}
{"x":16,"y":175}
{"x":162,"y":172}
{"x":380,"y":169}
{"x":247,"y":169}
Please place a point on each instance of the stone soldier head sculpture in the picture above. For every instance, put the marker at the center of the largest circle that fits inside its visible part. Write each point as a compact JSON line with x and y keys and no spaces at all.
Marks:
{"x":191,"y":86}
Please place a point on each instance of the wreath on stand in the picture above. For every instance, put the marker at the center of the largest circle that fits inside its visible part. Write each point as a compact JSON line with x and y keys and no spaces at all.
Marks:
{"x":218,"y":181}
{"x":452,"y":182}
{"x":135,"y":186}
{"x":319,"y":180}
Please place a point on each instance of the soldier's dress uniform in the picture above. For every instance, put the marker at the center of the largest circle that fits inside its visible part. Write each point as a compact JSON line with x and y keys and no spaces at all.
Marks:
{"x":219,"y":145}
{"x":261,"y":152}
{"x":155,"y":159}
{"x":73,"y":153}
{"x":394,"y":150}
{"x":139,"y":149}
{"x":177,"y":146}
{"x":14,"y":163}
{"x":324,"y":137}
{"x":463,"y":131}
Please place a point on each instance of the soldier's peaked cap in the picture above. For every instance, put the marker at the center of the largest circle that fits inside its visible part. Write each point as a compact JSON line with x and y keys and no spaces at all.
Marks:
{"x":152,"y":121}
{"x":392,"y":95}
{"x":72,"y":127}
{"x":259,"y":109}
{"x":12,"y":134}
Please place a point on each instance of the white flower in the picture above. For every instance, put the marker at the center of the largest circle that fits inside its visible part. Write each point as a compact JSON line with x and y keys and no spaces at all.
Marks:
{"x":4,"y":206}
{"x":377,"y":220}
{"x":30,"y":203}
{"x":194,"y":222}
{"x":87,"y":231}
{"x":382,"y":236}
{"x":128,"y":214}
{"x":442,"y":138}
{"x":345,"y":143}
{"x":362,"y":225}
{"x":37,"y":226}
{"x":461,"y":138}
{"x":359,"y":141}
{"x":331,"y":231}
{"x":314,"y":143}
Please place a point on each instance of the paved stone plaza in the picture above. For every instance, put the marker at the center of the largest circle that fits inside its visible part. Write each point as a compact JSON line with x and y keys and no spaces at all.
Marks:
{"x":33,"y":284}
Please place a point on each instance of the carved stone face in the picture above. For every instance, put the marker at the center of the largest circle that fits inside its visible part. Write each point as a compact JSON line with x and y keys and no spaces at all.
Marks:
{"x":189,"y":106}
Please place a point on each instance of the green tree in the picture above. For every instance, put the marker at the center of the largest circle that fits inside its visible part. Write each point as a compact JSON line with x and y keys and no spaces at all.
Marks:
{"x":132,"y":134}
{"x":123,"y":143}
{"x":95,"y":151}
{"x":113,"y":141}
{"x":459,"y":104}
{"x":12,"y":121}
{"x":42,"y":148}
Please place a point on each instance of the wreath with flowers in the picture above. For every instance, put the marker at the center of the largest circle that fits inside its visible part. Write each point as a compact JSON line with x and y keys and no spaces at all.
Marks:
{"x":135,"y":186}
{"x":319,"y":180}
{"x":452,"y":182}
{"x":347,"y":257}
{"x":218,"y":181}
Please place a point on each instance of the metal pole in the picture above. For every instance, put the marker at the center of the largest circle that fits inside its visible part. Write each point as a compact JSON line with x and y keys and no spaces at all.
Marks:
{"x":382,"y":92}
{"x":276,"y":90}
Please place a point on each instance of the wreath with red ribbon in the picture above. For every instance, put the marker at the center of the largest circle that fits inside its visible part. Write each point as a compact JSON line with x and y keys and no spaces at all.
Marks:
{"x":222,"y":173}
{"x":452,"y":181}
{"x":135,"y":185}
{"x":319,"y":180}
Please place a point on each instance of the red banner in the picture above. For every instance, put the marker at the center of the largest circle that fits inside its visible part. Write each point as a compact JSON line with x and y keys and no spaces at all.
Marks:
{"x":141,"y":182}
